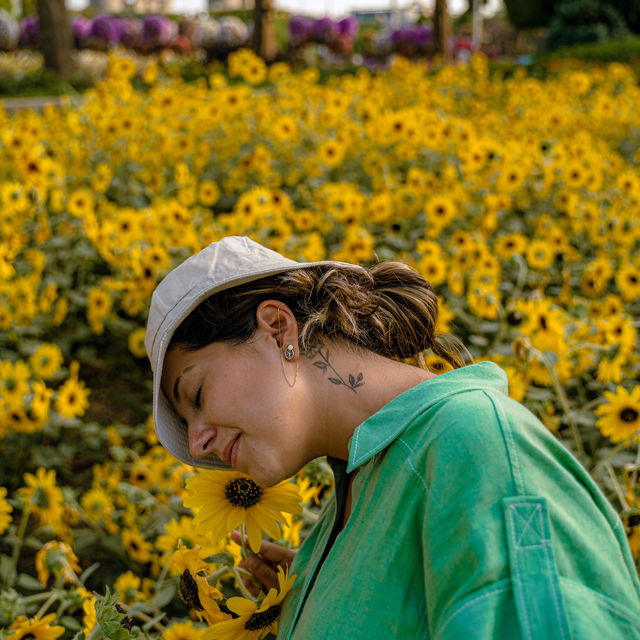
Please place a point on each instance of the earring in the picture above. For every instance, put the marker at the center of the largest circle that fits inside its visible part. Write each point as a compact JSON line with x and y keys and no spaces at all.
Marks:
{"x":289,"y":354}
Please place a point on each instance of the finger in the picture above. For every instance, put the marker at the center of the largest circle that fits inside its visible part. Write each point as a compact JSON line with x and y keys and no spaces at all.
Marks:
{"x":276,"y":554}
{"x":272,"y":553}
{"x":262,"y":571}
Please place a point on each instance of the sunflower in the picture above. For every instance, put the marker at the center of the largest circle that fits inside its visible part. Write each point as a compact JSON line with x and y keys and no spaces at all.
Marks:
{"x":194,"y":588}
{"x":5,"y":510}
{"x":208,"y":193}
{"x":253,"y":621}
{"x":185,"y":530}
{"x":628,"y":282}
{"x":539,"y":254}
{"x":57,"y":559}
{"x":331,"y":152}
{"x":285,"y":128}
{"x":183,"y":631}
{"x":46,"y":360}
{"x":97,"y":504}
{"x":89,"y":620}
{"x":44,"y":497}
{"x":620,"y":416}
{"x":440,"y":211}
{"x":128,"y":585}
{"x":436,"y":364}
{"x":81,"y":203}
{"x":226,"y":499}
{"x":136,"y":342}
{"x":510,"y":244}
{"x":136,"y":546}
{"x":36,"y":628}
{"x":433,"y":269}
{"x":72,"y":398}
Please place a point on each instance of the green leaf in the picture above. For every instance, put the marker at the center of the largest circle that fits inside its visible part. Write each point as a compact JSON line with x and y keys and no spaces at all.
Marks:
{"x":164,"y":596}
{"x":29,"y":582}
{"x":70,"y":623}
{"x":5,"y":567}
{"x":224,"y":558}
{"x":141,"y":607}
{"x":88,"y":571}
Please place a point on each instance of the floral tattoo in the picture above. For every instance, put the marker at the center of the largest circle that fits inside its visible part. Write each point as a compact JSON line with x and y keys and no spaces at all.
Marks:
{"x":323,"y":363}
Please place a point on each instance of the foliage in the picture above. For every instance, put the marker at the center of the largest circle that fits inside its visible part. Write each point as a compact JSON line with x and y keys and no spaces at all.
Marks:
{"x":625,"y":50}
{"x":524,"y":14}
{"x":581,"y":21}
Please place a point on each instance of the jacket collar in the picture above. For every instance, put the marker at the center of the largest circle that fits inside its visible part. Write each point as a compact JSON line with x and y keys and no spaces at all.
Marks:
{"x":384,"y":426}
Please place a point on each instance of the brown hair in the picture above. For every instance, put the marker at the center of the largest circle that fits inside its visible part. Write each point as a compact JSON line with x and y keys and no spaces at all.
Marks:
{"x":388,"y":308}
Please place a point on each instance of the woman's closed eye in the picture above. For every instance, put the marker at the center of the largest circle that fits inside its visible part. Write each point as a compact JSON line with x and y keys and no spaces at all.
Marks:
{"x":196,"y":402}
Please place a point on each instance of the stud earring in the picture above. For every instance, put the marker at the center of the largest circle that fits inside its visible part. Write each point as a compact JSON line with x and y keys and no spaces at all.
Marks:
{"x":289,"y":352}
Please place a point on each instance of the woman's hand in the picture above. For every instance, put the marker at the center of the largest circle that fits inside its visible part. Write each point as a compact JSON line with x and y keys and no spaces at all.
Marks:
{"x":264,"y":564}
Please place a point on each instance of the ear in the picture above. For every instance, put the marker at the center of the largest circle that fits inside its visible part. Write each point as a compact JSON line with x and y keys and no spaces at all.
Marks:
{"x":277,"y":321}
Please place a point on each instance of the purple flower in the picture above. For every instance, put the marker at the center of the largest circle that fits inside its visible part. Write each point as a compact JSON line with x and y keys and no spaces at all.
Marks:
{"x":420,"y":35}
{"x":300,"y":29}
{"x":399,"y":35}
{"x":158,"y":29}
{"x":29,"y":31}
{"x":324,"y":30}
{"x":81,"y":27}
{"x":348,"y":26}
{"x":107,"y":28}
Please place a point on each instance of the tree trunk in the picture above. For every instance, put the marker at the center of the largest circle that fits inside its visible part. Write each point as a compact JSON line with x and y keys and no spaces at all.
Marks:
{"x":442,"y":30}
{"x":55,"y":36}
{"x":264,"y":29}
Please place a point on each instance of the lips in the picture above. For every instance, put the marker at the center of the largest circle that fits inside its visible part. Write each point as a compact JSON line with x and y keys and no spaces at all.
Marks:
{"x":234,"y":452}
{"x":229,"y":450}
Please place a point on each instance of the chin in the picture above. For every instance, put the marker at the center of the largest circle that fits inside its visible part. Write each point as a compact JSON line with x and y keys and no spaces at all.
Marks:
{"x":267,"y":478}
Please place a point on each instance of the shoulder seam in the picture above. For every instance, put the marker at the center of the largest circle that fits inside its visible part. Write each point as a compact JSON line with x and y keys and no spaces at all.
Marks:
{"x":510,"y":444}
{"x":412,"y":469}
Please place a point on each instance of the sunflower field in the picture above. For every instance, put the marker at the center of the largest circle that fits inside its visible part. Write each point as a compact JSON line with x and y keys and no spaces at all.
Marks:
{"x":517,"y":197}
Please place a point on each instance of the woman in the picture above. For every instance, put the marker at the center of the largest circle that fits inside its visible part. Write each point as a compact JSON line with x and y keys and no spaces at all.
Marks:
{"x":456,"y":514}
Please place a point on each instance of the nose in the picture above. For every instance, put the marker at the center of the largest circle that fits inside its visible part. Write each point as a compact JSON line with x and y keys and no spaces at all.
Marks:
{"x":202,"y":439}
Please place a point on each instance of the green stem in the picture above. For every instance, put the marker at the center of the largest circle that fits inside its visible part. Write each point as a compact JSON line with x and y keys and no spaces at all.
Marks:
{"x":142,"y":616}
{"x":522,"y":275}
{"x":609,"y":455}
{"x":250,"y":576}
{"x":163,"y":573}
{"x":616,"y":486}
{"x":11,"y":575}
{"x":310,"y":515}
{"x":243,"y":540}
{"x":564,"y":403}
{"x":50,"y":600}
{"x":243,"y":589}
{"x":36,"y":597}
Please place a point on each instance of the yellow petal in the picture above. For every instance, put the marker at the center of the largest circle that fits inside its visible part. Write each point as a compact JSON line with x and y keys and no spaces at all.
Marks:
{"x":241,"y":606}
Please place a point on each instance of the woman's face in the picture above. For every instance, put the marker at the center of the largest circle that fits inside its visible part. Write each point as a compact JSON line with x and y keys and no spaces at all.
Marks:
{"x":237,"y":405}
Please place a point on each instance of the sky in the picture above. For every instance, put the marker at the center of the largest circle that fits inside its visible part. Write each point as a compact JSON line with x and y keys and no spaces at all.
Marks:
{"x":335,"y":8}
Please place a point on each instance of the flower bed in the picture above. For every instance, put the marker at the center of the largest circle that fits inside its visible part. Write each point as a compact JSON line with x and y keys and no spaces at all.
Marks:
{"x":518,"y":199}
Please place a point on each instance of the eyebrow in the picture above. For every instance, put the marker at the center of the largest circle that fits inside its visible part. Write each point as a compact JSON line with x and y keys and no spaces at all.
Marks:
{"x":176,"y":392}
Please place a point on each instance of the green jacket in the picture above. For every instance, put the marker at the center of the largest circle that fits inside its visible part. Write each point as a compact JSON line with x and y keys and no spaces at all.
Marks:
{"x":469,"y":520}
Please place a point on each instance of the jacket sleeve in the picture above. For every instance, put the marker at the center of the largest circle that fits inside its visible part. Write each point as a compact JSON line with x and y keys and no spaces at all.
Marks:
{"x":488,"y":557}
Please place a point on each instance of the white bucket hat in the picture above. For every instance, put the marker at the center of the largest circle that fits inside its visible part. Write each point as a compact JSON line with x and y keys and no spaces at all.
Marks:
{"x":227,"y":263}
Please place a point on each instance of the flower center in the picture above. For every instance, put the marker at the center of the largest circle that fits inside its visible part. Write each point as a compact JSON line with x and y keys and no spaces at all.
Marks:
{"x":262,"y":619}
{"x":629,"y":414}
{"x":188,"y":591}
{"x":242,"y":492}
